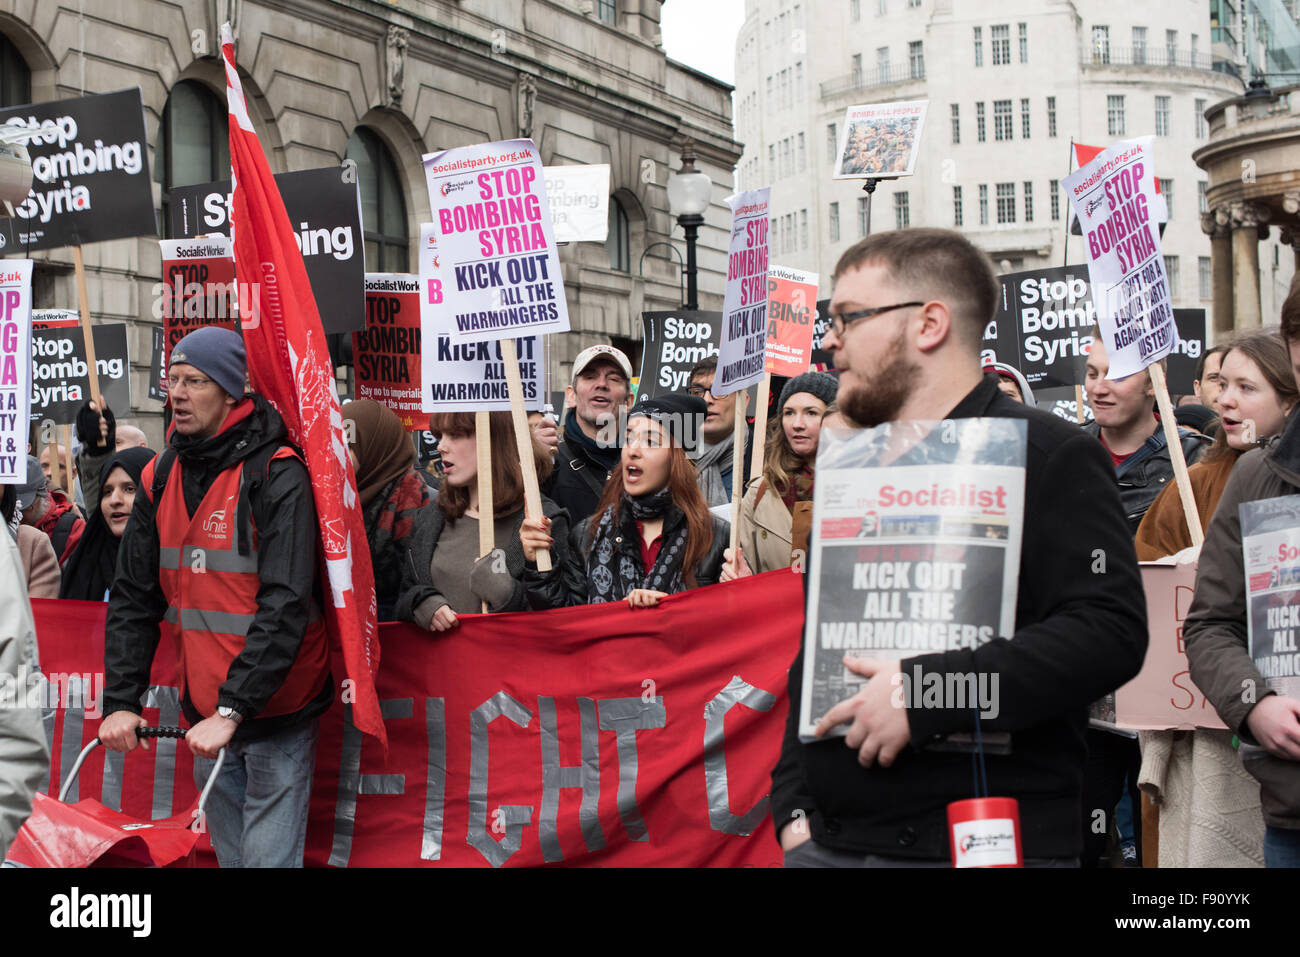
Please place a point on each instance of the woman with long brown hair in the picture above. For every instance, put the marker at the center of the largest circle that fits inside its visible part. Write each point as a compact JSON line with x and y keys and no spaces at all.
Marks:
{"x":652,"y":534}
{"x":442,"y":573}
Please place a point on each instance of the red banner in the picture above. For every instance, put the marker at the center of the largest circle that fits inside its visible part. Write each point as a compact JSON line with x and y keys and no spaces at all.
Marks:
{"x":289,"y":364}
{"x":593,"y":736}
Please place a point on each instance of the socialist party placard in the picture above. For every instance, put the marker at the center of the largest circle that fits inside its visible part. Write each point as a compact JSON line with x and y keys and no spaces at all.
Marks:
{"x":15,"y":368}
{"x":791,"y":315}
{"x":461,"y":376}
{"x":386,"y":353}
{"x":90,"y":173}
{"x":500,"y":269}
{"x":61,"y":375}
{"x":1114,"y":198}
{"x":1270,"y":545}
{"x":673,"y":343}
{"x":324,"y":207}
{"x":742,"y":351}
{"x":916,"y":549}
{"x":197,"y":289}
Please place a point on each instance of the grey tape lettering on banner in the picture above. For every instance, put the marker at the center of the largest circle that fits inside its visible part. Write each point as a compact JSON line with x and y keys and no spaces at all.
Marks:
{"x":556,"y":776}
{"x":352,"y":782}
{"x":626,"y":716}
{"x":74,"y":720}
{"x":737,"y":691}
{"x":168,"y":702}
{"x":49,"y":717}
{"x":110,"y":792}
{"x":435,"y":726}
{"x":514,"y":817}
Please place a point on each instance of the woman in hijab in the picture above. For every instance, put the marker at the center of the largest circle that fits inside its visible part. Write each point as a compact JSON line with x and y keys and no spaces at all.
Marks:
{"x":390,"y":488}
{"x":88,"y":573}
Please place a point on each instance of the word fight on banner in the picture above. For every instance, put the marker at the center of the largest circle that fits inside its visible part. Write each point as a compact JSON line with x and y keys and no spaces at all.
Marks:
{"x":15,"y":368}
{"x":917,"y":548}
{"x":90,"y":172}
{"x":674,"y":343}
{"x":880,"y":140}
{"x":1270,"y":544}
{"x":1114,"y":198}
{"x":324,"y":209}
{"x":791,"y":313}
{"x":516,"y":740}
{"x":493,"y":225}
{"x":579,"y":200}
{"x":742,"y":352}
{"x":198,"y":289}
{"x":60,"y":370}
{"x":460,"y":376}
{"x":387,"y":351}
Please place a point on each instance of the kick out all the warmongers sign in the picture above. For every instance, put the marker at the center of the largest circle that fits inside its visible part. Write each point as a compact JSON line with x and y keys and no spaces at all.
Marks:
{"x":501,"y":273}
{"x":742,"y":354}
{"x":15,"y":368}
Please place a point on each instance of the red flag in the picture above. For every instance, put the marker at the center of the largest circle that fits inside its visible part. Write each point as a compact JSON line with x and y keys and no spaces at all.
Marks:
{"x":289,"y":364}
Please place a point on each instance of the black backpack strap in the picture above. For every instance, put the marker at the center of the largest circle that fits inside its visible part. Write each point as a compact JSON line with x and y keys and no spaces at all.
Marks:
{"x":162,"y":469}
{"x":256,"y":472}
{"x":63,"y":530}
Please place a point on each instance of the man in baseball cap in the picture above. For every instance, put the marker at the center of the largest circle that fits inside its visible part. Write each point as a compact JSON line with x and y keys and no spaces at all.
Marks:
{"x":601,"y":388}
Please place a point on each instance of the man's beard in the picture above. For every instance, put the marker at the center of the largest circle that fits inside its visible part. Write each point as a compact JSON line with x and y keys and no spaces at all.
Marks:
{"x":886,"y":390}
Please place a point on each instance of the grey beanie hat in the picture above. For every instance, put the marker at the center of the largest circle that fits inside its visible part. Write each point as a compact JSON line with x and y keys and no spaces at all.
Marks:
{"x":216,"y":352}
{"x":821,"y":384}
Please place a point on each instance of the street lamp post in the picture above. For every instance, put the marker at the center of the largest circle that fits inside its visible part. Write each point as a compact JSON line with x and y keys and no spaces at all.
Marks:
{"x":689,"y":192}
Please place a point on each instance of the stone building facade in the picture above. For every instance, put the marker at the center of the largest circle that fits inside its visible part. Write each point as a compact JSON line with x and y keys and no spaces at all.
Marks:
{"x":384,"y":83}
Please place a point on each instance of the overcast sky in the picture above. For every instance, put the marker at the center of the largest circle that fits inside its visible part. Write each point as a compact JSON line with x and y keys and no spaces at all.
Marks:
{"x":702,"y":34}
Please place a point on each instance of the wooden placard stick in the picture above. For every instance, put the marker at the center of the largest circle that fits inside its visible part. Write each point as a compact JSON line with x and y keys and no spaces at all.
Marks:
{"x":738,"y":466}
{"x":524,"y":440}
{"x":760,"y":427}
{"x":1176,"y":453}
{"x":66,"y":431}
{"x":53,"y":448}
{"x":84,"y":302}
{"x":1078,"y":404}
{"x":486,"y":512}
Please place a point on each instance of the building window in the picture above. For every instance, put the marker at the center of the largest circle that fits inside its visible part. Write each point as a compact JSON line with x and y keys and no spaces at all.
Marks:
{"x":916,"y":60}
{"x":771,"y":161}
{"x":1139,"y":45}
{"x":1162,"y":115}
{"x":1051,"y":116}
{"x":803,"y":153}
{"x":803,"y":229}
{"x":835,"y":222}
{"x":618,"y":243}
{"x":1202,"y":200}
{"x":855,"y":10}
{"x":1101,"y":44}
{"x":1171,"y":271}
{"x":1171,"y":47}
{"x":1003,"y":125}
{"x":383,"y":209}
{"x":832,"y":141}
{"x":607,"y":11}
{"x":1006,"y":203}
{"x":193,"y":143}
{"x":1024,"y":42}
{"x":863,"y":209}
{"x":956,"y":123}
{"x":1166,"y":189}
{"x":882,"y":64}
{"x":1054,"y":198}
{"x":979,"y":122}
{"x":979,"y":46}
{"x":1029,"y":201}
{"x":902,"y":215}
{"x":857,"y":69}
{"x":1115,"y":115}
{"x":880,"y":8}
{"x":1024,"y":119}
{"x":1202,"y":129}
{"x":1204,"y":277}
{"x":15,"y":76}
{"x":984,"y":204}
{"x":957,"y":218}
{"x":913,"y":4}
{"x":1000,"y":41}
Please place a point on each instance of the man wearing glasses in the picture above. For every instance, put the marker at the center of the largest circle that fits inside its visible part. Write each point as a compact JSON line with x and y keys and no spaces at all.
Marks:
{"x":717,"y":453}
{"x":907,"y":316}
{"x":221,"y":551}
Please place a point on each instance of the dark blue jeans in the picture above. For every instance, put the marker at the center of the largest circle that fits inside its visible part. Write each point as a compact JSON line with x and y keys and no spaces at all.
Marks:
{"x":1281,"y":847}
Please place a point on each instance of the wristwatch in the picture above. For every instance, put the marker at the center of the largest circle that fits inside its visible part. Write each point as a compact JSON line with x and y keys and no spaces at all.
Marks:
{"x":230,"y":713}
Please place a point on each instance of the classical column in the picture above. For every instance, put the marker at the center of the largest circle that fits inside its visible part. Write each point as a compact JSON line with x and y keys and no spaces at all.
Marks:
{"x":1215,"y":225}
{"x":1246,"y":220}
{"x":1291,"y":233}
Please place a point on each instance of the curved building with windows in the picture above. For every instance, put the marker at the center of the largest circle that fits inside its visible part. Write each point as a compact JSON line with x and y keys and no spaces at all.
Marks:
{"x":382,"y":83}
{"x":1009,"y":85}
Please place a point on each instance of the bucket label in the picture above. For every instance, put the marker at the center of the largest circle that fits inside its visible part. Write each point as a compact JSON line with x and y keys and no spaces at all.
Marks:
{"x":985,"y":843}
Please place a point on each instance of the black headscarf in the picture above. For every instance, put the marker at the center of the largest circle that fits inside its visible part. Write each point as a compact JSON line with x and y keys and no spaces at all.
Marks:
{"x":89,"y":571}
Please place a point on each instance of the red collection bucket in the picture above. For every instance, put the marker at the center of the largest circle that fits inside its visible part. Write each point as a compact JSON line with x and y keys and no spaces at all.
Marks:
{"x":985,"y":832}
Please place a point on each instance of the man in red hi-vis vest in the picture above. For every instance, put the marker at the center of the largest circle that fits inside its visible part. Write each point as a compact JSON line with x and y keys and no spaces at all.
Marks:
{"x":221,"y":552}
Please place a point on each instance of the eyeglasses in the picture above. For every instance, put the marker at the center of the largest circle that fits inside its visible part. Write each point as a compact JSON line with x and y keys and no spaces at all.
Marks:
{"x":192,"y":383}
{"x":839,"y":322}
{"x":699,"y":391}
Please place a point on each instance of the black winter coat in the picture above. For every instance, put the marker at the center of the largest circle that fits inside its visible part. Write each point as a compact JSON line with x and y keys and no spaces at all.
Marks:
{"x":576,"y":482}
{"x":1080,"y":633}
{"x":1143,"y":475}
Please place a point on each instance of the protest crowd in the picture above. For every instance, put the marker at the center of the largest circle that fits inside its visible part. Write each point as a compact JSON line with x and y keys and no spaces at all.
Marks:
{"x":928,"y":530}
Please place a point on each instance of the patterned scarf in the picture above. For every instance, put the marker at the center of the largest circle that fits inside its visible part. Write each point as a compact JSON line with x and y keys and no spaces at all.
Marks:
{"x":614,"y":567}
{"x":388,"y":517}
{"x":801,"y":488}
